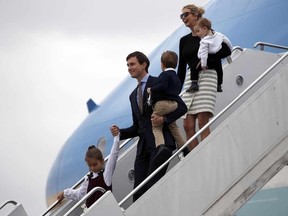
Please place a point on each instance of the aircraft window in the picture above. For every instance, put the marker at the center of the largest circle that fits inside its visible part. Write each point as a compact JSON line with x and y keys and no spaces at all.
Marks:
{"x":239,"y":80}
{"x":101,"y":144}
{"x":131,"y":175}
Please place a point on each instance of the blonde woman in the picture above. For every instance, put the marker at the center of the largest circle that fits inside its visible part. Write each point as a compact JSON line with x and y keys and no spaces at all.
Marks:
{"x":200,"y":103}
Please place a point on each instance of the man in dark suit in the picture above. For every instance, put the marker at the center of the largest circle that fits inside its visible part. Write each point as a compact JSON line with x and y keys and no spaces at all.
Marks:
{"x":144,"y":165}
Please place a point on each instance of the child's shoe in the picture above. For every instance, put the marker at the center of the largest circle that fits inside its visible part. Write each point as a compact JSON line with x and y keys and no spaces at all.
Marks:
{"x":194,"y":87}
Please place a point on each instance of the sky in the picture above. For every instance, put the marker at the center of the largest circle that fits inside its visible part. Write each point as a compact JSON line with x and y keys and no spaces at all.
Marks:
{"x":54,"y":56}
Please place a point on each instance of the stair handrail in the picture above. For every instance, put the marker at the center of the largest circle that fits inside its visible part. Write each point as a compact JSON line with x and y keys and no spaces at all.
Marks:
{"x":83,"y":178}
{"x":228,"y":59}
{"x":237,"y":48}
{"x":262,"y":44}
{"x":80,"y":202}
{"x":8,"y":202}
{"x":202,"y":129}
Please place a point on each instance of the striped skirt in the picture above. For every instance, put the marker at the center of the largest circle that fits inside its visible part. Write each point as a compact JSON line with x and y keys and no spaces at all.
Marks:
{"x":204,"y":99}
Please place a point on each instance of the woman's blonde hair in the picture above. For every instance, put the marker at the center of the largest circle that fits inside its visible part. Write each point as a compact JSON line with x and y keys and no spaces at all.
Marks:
{"x":196,"y":11}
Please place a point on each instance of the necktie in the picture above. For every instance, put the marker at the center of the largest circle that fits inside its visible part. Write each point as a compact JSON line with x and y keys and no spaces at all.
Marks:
{"x":140,"y":97}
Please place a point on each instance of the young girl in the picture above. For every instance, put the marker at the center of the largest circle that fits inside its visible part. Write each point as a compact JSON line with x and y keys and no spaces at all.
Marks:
{"x":98,"y":176}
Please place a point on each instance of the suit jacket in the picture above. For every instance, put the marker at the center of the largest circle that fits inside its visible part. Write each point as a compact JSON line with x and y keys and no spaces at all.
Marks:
{"x":142,"y":126}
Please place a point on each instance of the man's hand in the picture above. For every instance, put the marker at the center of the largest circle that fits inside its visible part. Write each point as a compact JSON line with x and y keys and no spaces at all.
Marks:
{"x":114,"y":130}
{"x":157,"y":120}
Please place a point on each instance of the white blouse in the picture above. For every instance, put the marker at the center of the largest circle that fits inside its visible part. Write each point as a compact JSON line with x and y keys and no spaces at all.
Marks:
{"x":77,"y":194}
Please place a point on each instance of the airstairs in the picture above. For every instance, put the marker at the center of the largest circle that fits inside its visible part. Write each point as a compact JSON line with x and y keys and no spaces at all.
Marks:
{"x":12,"y":208}
{"x":246,"y":148}
{"x":244,"y":152}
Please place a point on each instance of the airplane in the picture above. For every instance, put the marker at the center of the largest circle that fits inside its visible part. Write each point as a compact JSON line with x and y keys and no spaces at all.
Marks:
{"x":245,"y":23}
